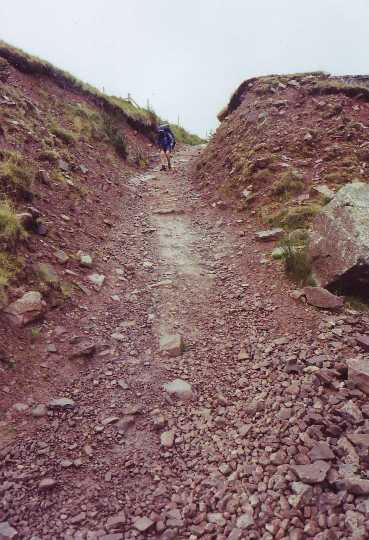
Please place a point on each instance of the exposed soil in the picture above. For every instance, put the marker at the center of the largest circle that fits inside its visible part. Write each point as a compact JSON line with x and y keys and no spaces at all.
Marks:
{"x":306,"y":127}
{"x":264,"y":394}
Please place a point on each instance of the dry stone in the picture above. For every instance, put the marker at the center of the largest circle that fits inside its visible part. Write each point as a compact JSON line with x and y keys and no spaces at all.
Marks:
{"x":270,"y":234}
{"x":179,"y":388}
{"x":321,"y":298}
{"x":171,"y":344}
{"x":7,"y":532}
{"x":26,"y":309}
{"x":312,"y":474}
{"x":358,"y":373}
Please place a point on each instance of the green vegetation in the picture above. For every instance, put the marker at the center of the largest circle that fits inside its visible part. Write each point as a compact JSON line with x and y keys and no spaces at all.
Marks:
{"x":11,"y":231}
{"x":16,"y":176}
{"x":116,"y":137}
{"x":68,"y":137}
{"x":48,"y":155}
{"x":296,"y":259}
{"x":340,"y":86}
{"x":35,"y":333}
{"x":9,"y":267}
{"x":291,"y":218}
{"x":290,"y":182}
{"x":183,"y":136}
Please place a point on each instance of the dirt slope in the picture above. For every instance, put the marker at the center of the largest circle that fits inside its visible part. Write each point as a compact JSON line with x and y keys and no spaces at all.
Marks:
{"x":266,"y":373}
{"x":280,"y":137}
{"x":61,"y":159}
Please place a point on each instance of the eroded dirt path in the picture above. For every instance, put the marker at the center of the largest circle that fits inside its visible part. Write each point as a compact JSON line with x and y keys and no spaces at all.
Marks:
{"x":224,"y":470}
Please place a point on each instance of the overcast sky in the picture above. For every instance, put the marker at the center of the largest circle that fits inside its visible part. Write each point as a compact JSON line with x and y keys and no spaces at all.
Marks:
{"x":187,"y":56}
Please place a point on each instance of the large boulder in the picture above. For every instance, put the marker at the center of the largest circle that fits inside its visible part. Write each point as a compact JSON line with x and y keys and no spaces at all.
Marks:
{"x":339,"y":245}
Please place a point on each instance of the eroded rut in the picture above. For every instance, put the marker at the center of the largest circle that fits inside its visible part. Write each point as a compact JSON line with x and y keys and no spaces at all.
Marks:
{"x":128,"y":459}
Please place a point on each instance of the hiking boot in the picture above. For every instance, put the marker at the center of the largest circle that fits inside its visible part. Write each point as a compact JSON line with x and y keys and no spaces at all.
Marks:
{"x":163,"y":168}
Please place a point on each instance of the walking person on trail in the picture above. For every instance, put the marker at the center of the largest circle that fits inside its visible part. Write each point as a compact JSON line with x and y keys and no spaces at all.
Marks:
{"x":166,"y":142}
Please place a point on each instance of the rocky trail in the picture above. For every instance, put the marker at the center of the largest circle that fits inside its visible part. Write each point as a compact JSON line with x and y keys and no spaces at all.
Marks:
{"x":193,"y":397}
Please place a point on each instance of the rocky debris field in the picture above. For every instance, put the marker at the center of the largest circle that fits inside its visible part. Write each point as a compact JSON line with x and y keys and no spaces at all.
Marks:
{"x":197,"y":397}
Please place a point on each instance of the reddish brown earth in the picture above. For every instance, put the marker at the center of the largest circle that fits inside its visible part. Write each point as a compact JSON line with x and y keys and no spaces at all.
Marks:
{"x":313,"y":125}
{"x":269,"y":391}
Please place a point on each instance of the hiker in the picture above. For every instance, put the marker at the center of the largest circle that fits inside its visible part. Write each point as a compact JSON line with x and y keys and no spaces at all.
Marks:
{"x":166,"y":142}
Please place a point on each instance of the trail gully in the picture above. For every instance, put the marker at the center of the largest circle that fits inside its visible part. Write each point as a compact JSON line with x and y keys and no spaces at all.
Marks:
{"x":216,"y":454}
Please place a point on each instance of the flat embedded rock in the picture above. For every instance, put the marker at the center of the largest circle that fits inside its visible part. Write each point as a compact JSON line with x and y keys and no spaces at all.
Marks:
{"x":321,"y":298}
{"x":61,"y":403}
{"x":47,"y":483}
{"x":179,"y":388}
{"x":269,"y":234}
{"x":116,"y":522}
{"x":312,"y":474}
{"x":143,"y":524}
{"x":171,"y":345}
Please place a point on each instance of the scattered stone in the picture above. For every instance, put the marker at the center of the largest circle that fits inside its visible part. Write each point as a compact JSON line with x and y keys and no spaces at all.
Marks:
{"x":7,"y":532}
{"x":85,"y":349}
{"x":61,"y":403}
{"x":116,"y":522}
{"x":245,"y":521}
{"x":85,"y":260}
{"x":63,"y":165}
{"x":270,"y":234}
{"x":171,"y":345}
{"x":217,"y":518}
{"x":47,"y":483}
{"x":321,"y":298}
{"x":352,"y":412}
{"x":61,"y":256}
{"x":167,"y":439}
{"x":363,"y":341}
{"x":179,"y":388}
{"x":358,"y":373}
{"x":143,"y":524}
{"x":322,"y":451}
{"x":20,"y":407}
{"x":123,"y":384}
{"x":97,"y":280}
{"x":26,"y":309}
{"x":39,"y":410}
{"x":356,"y":485}
{"x":312,"y":474}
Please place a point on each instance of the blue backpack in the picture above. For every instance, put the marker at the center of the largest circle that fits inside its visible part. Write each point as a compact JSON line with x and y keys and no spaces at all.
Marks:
{"x":166,"y":138}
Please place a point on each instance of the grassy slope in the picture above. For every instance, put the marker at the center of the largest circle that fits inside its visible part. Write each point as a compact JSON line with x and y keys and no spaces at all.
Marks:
{"x":144,"y":120}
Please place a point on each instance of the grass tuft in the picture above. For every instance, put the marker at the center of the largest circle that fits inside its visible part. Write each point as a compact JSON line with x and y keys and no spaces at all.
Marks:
{"x":16,"y":176}
{"x":296,"y":260}
{"x":290,"y":182}
{"x":11,"y":231}
{"x":68,"y":137}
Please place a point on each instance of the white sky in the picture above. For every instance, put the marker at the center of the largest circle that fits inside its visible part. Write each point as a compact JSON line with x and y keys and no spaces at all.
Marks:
{"x":188,"y":56}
